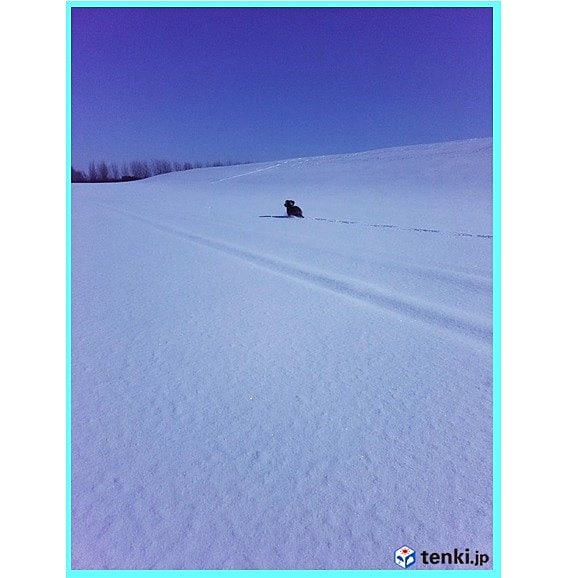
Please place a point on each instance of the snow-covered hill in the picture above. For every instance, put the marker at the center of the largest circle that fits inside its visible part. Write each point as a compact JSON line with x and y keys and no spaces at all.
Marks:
{"x":259,"y":392}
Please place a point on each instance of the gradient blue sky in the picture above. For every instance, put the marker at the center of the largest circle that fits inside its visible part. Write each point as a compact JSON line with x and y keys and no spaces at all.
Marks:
{"x":253,"y":84}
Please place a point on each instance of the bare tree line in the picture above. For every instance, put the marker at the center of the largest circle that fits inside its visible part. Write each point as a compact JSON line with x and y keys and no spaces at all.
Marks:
{"x":103,"y":172}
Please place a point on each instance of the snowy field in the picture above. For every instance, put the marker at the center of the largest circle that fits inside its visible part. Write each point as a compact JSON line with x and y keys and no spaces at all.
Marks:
{"x":253,"y":392}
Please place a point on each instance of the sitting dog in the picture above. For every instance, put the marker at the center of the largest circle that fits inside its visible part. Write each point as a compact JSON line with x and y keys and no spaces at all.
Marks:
{"x":293,"y":210}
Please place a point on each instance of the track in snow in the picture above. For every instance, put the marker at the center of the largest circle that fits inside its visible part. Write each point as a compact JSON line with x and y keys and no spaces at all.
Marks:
{"x":436,"y":317}
{"x":418,"y":229}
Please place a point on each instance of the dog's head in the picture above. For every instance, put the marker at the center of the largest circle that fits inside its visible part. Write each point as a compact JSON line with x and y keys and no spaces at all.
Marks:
{"x":289,"y":203}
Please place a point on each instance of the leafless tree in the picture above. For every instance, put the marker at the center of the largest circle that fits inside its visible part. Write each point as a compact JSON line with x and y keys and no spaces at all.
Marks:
{"x":103,"y":171}
{"x":140,"y":169}
{"x":160,"y":166}
{"x":78,"y":176}
{"x":115,"y":174}
{"x":93,"y":173}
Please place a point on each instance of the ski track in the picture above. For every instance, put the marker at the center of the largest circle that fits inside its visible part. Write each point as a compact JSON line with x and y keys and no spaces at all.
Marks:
{"x":250,"y":172}
{"x":437,"y":317}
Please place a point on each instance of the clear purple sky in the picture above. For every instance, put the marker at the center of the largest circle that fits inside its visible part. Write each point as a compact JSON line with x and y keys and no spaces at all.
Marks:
{"x":253,"y":84}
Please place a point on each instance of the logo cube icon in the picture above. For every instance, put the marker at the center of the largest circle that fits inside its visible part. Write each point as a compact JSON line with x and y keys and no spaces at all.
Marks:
{"x":405,"y":556}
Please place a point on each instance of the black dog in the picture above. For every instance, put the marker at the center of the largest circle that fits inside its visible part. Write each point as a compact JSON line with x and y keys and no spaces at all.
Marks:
{"x":293,"y":210}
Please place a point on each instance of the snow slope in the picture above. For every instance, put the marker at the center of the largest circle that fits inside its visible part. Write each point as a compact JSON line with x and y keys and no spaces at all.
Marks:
{"x":254,"y":392}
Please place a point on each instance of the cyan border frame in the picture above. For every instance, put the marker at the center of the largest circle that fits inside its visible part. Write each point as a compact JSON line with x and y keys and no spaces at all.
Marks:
{"x":68,"y":115}
{"x":496,"y":571}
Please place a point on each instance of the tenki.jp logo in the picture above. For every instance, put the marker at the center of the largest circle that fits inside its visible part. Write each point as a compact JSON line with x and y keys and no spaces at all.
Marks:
{"x":406,"y":557}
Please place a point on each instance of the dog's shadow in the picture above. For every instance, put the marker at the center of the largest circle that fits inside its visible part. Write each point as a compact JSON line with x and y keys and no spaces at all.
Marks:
{"x":275,"y":216}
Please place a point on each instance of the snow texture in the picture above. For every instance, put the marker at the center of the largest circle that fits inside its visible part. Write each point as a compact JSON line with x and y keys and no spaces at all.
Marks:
{"x":251,"y":391}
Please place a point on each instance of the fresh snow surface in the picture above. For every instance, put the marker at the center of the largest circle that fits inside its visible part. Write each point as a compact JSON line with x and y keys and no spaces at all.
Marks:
{"x":254,"y":392}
